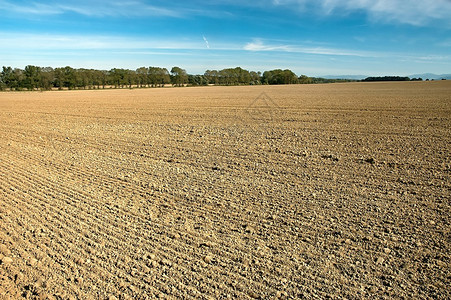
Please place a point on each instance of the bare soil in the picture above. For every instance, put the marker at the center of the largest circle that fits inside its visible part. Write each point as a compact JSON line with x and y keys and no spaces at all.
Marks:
{"x":315,"y":191}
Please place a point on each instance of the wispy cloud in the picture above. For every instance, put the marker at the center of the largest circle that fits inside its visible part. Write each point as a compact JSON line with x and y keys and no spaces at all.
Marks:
{"x":22,"y":41}
{"x":259,"y":45}
{"x":89,"y":8}
{"x":29,"y":8}
{"x":206,"y":42}
{"x":413,"y":12}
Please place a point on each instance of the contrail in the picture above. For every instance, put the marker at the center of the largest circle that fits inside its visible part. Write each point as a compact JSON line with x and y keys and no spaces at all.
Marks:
{"x":206,"y":42}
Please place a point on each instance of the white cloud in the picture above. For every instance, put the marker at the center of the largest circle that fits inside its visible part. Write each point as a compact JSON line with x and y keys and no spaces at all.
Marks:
{"x":206,"y":42}
{"x":259,"y":45}
{"x":12,"y":41}
{"x":89,"y":8}
{"x":413,"y":12}
{"x":35,"y":8}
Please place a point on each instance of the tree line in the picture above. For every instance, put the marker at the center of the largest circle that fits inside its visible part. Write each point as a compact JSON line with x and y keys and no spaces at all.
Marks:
{"x":392,"y":78}
{"x":34,"y":77}
{"x":387,"y":78}
{"x":47,"y":78}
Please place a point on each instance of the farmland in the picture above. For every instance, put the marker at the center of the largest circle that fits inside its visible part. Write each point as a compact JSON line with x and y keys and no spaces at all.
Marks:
{"x":339,"y":190}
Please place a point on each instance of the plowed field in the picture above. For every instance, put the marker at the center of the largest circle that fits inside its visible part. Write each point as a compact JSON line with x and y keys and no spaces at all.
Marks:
{"x":338,"y":190}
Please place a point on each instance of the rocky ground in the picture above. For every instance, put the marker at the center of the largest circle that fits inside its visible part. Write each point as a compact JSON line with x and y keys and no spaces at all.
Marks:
{"x":315,"y":191}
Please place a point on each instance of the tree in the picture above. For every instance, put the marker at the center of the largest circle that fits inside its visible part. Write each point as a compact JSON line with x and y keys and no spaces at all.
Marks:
{"x":69,"y":77}
{"x":387,"y":78}
{"x":46,"y":78}
{"x":102,"y":77}
{"x":179,"y":76}
{"x":32,"y":76}
{"x":212,"y":76}
{"x":131,"y":78}
{"x":142,"y":78}
{"x":305,"y":79}
{"x":255,"y":77}
{"x":154,"y":76}
{"x":7,"y":77}
{"x":58,"y":78}
{"x":279,"y":76}
{"x":82,"y":77}
{"x":118,"y":77}
{"x":158,"y":76}
{"x":196,"y":80}
{"x":164,"y":77}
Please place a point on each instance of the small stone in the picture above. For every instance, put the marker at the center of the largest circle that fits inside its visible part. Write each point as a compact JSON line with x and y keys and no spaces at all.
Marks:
{"x":40,"y":283}
{"x":281,"y":295}
{"x":18,"y":277}
{"x":146,"y":269}
{"x":348,"y":241}
{"x":387,"y":250}
{"x":370,"y":160}
{"x":380,"y":260}
{"x":174,"y":236}
{"x":166,"y":262}
{"x":249,"y":229}
{"x":79,"y":280}
{"x":44,"y":296}
{"x":7,"y":260}
{"x":79,"y":261}
{"x":208,"y":259}
{"x":441,"y":263}
{"x":153,"y":264}
{"x":4,"y":250}
{"x":32,"y":262}
{"x":253,"y":294}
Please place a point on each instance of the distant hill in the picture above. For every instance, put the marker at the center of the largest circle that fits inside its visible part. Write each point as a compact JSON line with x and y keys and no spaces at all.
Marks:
{"x":431,"y":76}
{"x":424,"y":76}
{"x":352,"y":77}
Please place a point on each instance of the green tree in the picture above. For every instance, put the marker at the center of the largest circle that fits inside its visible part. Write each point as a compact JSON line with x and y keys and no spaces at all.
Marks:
{"x":131,"y":78}
{"x":69,"y":77}
{"x":179,"y":76}
{"x":7,"y":77}
{"x":32,"y":76}
{"x":118,"y":77}
{"x":197,"y":80}
{"x":142,"y":78}
{"x":255,"y":77}
{"x":46,"y":79}
{"x":158,"y":76}
{"x":212,"y":76}
{"x":153,"y":76}
{"x":279,"y":76}
{"x":58,"y":80}
{"x":305,"y":79}
{"x":101,"y":77}
{"x":164,"y":77}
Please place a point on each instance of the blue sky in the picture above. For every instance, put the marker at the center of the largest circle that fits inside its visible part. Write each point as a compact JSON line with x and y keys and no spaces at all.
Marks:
{"x":367,"y":37}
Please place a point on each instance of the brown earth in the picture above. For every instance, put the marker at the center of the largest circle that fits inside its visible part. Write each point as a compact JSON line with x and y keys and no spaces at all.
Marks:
{"x":338,"y":190}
